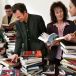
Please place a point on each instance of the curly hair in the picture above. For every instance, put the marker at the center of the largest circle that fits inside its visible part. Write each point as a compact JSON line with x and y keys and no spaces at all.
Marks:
{"x":74,"y":2}
{"x":52,"y":12}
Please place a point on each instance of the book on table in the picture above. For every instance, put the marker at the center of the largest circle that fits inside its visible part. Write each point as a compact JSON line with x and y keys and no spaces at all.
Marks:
{"x":69,"y":63}
{"x":69,"y":56}
{"x":68,"y":44}
{"x":10,"y":72}
{"x":68,"y":51}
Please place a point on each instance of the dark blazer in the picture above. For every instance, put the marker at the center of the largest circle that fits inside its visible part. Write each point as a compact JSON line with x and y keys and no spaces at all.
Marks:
{"x":36,"y":27}
{"x":51,"y":28}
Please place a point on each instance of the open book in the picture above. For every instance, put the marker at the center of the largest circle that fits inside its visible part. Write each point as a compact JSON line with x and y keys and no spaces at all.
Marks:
{"x":7,"y":25}
{"x":49,"y":38}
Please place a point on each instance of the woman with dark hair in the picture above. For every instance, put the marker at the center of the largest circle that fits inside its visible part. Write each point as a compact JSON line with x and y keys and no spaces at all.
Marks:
{"x":61,"y":26}
{"x":72,"y":6}
{"x":72,"y":37}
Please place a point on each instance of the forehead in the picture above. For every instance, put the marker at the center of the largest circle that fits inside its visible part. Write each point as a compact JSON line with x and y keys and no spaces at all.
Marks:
{"x":18,"y":12}
{"x":58,"y":9}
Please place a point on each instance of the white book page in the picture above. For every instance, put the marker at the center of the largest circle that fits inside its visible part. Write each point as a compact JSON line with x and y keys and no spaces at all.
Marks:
{"x":44,"y":37}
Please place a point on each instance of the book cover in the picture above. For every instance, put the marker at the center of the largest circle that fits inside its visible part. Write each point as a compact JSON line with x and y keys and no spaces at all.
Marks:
{"x":68,"y":64}
{"x":72,"y":62}
{"x":69,"y":56}
{"x":46,"y":38}
{"x":68,"y":44}
{"x":10,"y":72}
{"x":66,"y":69}
{"x":68,"y":51}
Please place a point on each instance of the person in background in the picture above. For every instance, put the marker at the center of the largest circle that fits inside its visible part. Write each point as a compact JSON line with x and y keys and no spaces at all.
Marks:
{"x":72,"y":8}
{"x":28,"y":27}
{"x":61,"y":26}
{"x":72,"y":36}
{"x":9,"y":19}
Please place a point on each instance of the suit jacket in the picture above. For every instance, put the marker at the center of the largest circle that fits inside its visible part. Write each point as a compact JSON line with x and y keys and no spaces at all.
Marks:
{"x":36,"y":27}
{"x":5,"y":20}
{"x":51,"y":28}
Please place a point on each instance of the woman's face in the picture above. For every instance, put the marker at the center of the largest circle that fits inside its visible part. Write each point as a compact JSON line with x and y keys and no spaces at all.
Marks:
{"x":59,"y":13}
{"x":72,"y":9}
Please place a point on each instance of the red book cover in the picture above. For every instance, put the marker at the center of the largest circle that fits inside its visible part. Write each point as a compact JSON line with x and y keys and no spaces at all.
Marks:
{"x":72,"y":62}
{"x":10,"y":73}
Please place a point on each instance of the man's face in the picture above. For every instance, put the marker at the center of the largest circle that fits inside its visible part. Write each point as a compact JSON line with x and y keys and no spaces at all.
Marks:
{"x":20,"y":16}
{"x":8,"y":12}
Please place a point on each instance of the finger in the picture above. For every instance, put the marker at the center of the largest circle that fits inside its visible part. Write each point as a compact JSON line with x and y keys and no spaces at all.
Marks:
{"x":16,"y":59}
{"x":12,"y":59}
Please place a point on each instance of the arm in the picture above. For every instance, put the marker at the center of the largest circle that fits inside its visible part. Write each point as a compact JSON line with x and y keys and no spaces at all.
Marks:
{"x":41,"y":25}
{"x":71,"y":36}
{"x":18,"y":44}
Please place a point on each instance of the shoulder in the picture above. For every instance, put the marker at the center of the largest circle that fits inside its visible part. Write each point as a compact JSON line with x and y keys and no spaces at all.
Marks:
{"x":34,"y":16}
{"x":4,"y":17}
{"x":50,"y":24}
{"x":17,"y":23}
{"x":72,"y":25}
{"x":70,"y":22}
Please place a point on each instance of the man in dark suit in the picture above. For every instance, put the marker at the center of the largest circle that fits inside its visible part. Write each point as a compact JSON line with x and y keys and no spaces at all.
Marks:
{"x":28,"y":27}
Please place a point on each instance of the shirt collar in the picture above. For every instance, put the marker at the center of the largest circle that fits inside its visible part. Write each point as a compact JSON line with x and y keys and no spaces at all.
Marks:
{"x":65,"y":23}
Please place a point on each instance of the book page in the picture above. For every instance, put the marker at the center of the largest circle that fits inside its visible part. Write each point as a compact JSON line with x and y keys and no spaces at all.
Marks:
{"x":4,"y":25}
{"x":44,"y":37}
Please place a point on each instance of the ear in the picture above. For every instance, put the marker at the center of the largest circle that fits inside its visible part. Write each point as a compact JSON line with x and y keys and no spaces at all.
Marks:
{"x":25,"y":12}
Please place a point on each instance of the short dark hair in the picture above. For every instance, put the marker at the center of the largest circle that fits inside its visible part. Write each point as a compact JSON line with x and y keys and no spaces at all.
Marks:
{"x":52,"y":13}
{"x":8,"y":7}
{"x":19,"y":6}
{"x":74,"y":2}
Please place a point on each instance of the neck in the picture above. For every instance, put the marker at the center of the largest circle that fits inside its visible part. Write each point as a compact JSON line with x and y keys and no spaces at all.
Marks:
{"x":60,"y":22}
{"x":26,"y":17}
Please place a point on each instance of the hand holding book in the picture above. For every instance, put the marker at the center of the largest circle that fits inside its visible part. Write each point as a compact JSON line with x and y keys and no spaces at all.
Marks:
{"x":50,"y":40}
{"x":70,"y":37}
{"x":46,"y":38}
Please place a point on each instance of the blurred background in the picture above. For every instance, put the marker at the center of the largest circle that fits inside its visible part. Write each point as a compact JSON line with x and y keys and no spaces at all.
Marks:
{"x":41,"y":7}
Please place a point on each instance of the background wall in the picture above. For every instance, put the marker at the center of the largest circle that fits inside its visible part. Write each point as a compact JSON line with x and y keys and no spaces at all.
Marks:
{"x":2,"y":3}
{"x":40,"y":7}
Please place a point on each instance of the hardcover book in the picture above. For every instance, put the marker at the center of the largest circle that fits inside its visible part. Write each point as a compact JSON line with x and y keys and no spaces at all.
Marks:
{"x":68,"y":44}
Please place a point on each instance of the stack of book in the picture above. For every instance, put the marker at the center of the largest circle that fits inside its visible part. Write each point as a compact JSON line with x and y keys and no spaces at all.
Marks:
{"x":10,"y":37}
{"x":31,"y":65}
{"x":69,"y":57}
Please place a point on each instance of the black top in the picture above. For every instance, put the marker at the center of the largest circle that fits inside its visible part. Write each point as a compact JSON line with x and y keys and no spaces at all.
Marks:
{"x":28,"y":33}
{"x":9,"y":19}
